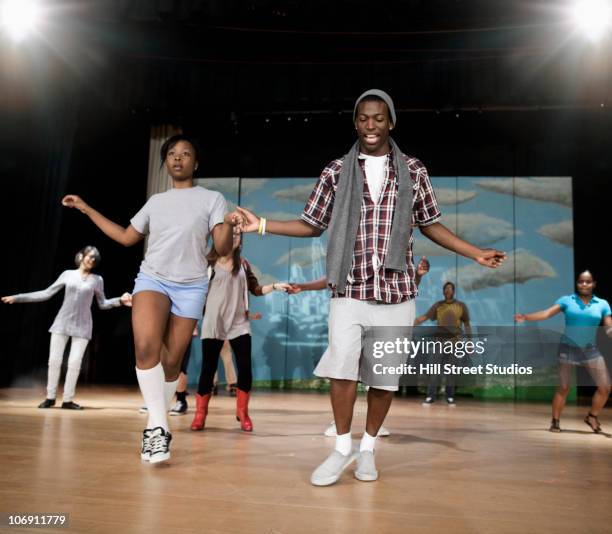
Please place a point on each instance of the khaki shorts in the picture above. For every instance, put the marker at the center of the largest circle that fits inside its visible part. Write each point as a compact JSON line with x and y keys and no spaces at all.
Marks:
{"x":346,"y":317}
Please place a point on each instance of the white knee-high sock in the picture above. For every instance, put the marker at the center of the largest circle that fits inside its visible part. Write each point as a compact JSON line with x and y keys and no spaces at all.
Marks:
{"x":344,"y":445}
{"x":367,"y":443}
{"x":151,"y":382}
{"x":169,"y":391}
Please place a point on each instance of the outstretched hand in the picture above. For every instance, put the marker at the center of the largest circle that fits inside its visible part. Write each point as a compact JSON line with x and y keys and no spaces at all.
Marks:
{"x":282,"y":286}
{"x":293,"y":289}
{"x":520,"y":317}
{"x":489,"y":257}
{"x":251,"y":221}
{"x":8,"y":300}
{"x":126,"y":300}
{"x":74,"y":201}
{"x":423,"y":266}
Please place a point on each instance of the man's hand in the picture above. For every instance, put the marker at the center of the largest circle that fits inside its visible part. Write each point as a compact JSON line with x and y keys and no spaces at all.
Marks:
{"x":490,"y":257}
{"x":126,"y":300}
{"x":294,"y":289}
{"x":423,"y":266}
{"x":8,"y":300}
{"x":250,"y":220}
{"x":519,"y":317}
{"x":234,"y":219}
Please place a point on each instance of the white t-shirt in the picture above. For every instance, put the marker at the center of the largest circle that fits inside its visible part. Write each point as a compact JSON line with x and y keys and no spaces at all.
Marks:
{"x":179,"y":222}
{"x":375,"y":170}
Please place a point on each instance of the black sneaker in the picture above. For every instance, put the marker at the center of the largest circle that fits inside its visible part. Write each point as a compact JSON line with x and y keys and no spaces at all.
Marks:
{"x":71,"y":406}
{"x":145,"y":451}
{"x":450,"y":401}
{"x":180,"y":408}
{"x":428,"y":401}
{"x":554,"y":425}
{"x":47,"y":403}
{"x":159,"y":441}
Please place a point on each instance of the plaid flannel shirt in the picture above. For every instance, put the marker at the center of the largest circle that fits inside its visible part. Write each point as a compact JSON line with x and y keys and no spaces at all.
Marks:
{"x":368,"y":279}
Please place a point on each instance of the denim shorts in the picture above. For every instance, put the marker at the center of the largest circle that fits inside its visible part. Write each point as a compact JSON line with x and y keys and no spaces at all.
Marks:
{"x":574,"y":355}
{"x":187,"y":300}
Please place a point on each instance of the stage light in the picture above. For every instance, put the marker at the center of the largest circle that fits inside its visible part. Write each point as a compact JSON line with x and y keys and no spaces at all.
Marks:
{"x":593,"y":17}
{"x":19,"y":17}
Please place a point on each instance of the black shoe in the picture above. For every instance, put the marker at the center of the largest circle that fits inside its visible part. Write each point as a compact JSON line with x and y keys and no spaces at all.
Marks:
{"x":215,"y":390}
{"x":554,"y":425}
{"x":180,"y":408}
{"x":71,"y":406}
{"x":47,"y":403}
{"x":232,"y":389}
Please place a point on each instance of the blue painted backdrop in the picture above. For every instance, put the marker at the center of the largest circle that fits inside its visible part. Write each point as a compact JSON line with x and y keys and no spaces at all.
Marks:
{"x":530,"y":218}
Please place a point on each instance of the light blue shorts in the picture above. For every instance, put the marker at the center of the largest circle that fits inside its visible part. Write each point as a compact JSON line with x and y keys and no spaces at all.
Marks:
{"x":187,"y":300}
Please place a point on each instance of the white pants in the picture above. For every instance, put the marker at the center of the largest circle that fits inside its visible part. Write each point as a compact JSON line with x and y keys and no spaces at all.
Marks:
{"x":56,"y":354}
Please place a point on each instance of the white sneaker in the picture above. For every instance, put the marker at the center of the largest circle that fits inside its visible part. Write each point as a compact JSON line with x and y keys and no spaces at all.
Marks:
{"x":145,"y":451}
{"x":428,"y":401}
{"x":366,"y":468}
{"x":383,"y":432}
{"x":331,"y":469}
{"x":330,"y":431}
{"x":160,"y":445}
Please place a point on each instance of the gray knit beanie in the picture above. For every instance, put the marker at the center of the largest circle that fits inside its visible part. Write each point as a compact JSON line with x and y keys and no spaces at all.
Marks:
{"x":380,"y":94}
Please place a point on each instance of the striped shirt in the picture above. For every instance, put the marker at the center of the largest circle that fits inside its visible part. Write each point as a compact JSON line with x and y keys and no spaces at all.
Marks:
{"x":368,"y":279}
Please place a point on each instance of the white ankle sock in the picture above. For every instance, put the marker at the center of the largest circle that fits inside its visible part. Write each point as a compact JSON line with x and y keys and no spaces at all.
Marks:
{"x":169,"y":391}
{"x":151,"y":382}
{"x":367,"y":443}
{"x":344,"y":445}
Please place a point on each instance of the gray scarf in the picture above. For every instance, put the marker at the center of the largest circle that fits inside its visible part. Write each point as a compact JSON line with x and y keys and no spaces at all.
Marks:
{"x":347,"y":214}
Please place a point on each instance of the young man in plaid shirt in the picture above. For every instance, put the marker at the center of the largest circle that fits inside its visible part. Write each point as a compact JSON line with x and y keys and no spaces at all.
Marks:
{"x":371,"y":199}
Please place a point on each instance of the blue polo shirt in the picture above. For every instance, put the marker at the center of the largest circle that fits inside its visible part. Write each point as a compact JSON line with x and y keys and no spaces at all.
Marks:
{"x":582,"y":320}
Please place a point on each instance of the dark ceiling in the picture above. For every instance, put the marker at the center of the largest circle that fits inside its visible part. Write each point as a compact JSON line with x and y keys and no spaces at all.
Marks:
{"x":289,"y":56}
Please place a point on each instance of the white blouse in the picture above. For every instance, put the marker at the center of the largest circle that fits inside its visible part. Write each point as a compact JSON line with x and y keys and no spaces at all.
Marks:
{"x":74,"y":317}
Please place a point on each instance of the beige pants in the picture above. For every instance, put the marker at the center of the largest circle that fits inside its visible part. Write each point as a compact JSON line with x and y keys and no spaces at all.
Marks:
{"x":346,"y":317}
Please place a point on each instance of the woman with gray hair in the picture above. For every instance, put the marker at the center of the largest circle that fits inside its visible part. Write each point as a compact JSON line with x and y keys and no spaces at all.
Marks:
{"x":73,"y":320}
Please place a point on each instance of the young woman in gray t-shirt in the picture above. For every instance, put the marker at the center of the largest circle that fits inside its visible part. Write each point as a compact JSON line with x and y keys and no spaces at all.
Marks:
{"x":171,"y":286}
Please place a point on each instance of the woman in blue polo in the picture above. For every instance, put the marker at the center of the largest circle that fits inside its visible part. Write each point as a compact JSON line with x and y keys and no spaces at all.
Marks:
{"x":584,"y":312}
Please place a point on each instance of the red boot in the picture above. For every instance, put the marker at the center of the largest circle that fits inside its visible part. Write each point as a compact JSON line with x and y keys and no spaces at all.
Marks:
{"x":242,"y":410}
{"x":200,"y":412}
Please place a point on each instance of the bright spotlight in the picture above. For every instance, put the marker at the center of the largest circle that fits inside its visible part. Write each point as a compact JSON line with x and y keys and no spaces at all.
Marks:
{"x":19,"y":17}
{"x":593,"y":17}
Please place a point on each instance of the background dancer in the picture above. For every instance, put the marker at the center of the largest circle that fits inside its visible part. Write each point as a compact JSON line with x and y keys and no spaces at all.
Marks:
{"x":583,"y":313}
{"x":73,"y":321}
{"x":449,"y":314}
{"x":170,"y":288}
{"x":373,"y":197}
{"x":227,"y":318}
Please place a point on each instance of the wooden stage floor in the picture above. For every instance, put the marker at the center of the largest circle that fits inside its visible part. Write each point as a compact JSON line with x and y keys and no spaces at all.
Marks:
{"x":477,"y":468}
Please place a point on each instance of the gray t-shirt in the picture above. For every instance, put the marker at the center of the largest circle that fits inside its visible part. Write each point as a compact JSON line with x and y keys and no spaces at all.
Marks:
{"x":179,"y":222}
{"x":225,"y":315}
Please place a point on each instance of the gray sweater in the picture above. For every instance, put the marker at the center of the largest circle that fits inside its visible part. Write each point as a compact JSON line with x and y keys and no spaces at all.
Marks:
{"x":74,"y":317}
